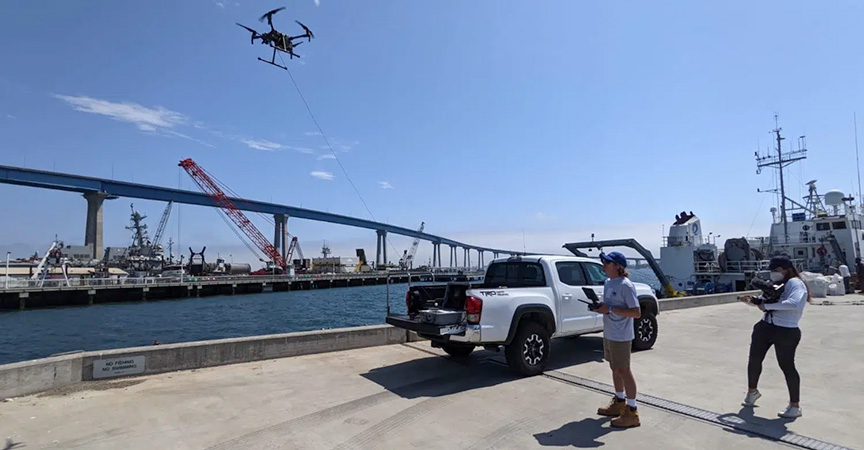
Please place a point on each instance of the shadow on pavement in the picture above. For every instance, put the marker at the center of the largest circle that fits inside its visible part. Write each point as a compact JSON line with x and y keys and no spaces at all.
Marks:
{"x":10,"y":444}
{"x":436,"y":376}
{"x":582,"y":434}
{"x":755,"y":427}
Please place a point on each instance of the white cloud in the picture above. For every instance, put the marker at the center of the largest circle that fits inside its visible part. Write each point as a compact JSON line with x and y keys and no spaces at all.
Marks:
{"x":326,"y":156}
{"x":322,"y":175}
{"x":145,"y":118}
{"x":307,"y":151}
{"x":181,"y":135}
{"x":543,"y":217}
{"x":317,"y":2}
{"x":264,"y":145}
{"x":337,"y":146}
{"x":384,"y":185}
{"x":11,"y":116}
{"x":313,"y":133}
{"x":220,"y":4}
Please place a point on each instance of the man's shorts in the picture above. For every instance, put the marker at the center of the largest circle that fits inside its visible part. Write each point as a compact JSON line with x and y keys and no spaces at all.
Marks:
{"x":617,"y":353}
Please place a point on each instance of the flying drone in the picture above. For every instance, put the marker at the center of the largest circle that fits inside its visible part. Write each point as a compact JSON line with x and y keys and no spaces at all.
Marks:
{"x":279,"y":41}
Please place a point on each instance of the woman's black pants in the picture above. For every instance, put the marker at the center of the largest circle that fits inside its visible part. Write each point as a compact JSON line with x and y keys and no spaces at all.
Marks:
{"x":785,"y":341}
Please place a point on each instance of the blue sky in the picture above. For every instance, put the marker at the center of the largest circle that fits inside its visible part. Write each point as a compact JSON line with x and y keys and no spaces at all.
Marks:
{"x":484,"y":119}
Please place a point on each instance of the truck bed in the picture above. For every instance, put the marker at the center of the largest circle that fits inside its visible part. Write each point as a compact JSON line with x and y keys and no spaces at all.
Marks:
{"x":424,"y":329}
{"x":446,"y":296}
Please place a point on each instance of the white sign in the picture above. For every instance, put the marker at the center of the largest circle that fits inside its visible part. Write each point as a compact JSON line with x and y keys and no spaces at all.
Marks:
{"x":107,"y":368}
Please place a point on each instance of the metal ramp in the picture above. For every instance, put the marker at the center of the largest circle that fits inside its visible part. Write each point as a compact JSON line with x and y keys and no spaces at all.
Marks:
{"x":577,"y":247}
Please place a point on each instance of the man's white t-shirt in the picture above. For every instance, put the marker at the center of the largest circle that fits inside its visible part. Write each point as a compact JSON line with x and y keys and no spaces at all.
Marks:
{"x":619,"y":293}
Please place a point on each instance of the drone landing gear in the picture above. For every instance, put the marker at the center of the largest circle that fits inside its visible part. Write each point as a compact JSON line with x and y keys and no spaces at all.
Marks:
{"x":272,"y":63}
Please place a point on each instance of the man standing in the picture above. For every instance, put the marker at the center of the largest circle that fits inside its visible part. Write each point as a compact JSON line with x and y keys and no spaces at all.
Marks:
{"x":859,"y":272}
{"x":847,"y":277}
{"x":620,"y":306}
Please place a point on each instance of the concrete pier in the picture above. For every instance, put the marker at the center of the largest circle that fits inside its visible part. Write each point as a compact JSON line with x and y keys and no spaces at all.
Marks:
{"x":409,"y":395}
{"x":81,"y":292}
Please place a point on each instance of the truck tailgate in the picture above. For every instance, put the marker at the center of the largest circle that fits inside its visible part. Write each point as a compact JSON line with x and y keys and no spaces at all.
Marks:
{"x":419,"y":327}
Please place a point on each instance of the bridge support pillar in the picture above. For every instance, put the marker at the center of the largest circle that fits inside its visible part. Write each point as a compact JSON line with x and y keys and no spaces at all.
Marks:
{"x":453,"y":256}
{"x":93,"y":231}
{"x":382,"y":250}
{"x":279,"y":238}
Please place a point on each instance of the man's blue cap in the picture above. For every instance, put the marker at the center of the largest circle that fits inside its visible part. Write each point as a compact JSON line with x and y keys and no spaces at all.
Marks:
{"x":615,"y":257}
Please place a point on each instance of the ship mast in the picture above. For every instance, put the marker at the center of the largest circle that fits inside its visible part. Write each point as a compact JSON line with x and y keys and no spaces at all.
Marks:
{"x":780,"y":161}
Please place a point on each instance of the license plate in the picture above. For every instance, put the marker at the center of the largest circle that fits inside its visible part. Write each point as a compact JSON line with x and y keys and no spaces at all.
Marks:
{"x":451,"y":329}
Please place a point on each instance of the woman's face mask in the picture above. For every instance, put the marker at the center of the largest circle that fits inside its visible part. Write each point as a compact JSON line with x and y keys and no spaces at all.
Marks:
{"x":777,"y":276}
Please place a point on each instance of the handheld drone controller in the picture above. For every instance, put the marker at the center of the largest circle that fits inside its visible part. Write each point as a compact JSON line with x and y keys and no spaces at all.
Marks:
{"x":771,"y":292}
{"x":595,"y":302}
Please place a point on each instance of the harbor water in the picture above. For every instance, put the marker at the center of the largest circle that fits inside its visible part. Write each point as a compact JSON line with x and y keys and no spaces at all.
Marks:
{"x":39,"y":333}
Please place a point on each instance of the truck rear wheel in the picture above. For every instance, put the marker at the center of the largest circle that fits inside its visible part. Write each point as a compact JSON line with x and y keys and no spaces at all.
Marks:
{"x":529,"y":352}
{"x":457,"y":350}
{"x":646,"y":331}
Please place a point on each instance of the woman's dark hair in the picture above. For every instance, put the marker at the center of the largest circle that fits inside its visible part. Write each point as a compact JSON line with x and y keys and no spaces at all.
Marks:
{"x":792,"y":272}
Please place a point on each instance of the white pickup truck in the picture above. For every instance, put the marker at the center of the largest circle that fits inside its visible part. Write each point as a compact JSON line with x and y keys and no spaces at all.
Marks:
{"x":522,"y":303}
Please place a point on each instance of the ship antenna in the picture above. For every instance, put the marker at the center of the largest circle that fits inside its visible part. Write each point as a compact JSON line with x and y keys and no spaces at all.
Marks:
{"x":779,"y":162}
{"x":857,"y":162}
{"x":782,"y":184}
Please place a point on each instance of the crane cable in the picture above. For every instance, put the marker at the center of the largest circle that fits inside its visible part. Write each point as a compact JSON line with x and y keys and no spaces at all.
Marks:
{"x":327,"y":142}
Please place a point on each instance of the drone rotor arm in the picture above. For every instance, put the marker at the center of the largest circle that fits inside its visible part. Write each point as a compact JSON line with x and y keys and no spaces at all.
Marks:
{"x":308,"y":34}
{"x":269,"y":16}
{"x":255,"y":34}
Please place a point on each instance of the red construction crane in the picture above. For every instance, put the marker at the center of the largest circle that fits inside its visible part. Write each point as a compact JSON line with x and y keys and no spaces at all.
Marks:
{"x":209,"y":186}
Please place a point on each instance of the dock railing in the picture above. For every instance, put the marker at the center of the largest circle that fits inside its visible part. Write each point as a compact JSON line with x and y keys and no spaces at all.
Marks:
{"x":13,"y":284}
{"x":738,"y":266}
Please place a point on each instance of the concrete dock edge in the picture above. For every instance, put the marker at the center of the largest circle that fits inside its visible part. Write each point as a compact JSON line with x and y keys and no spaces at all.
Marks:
{"x":669,"y":304}
{"x":30,"y":377}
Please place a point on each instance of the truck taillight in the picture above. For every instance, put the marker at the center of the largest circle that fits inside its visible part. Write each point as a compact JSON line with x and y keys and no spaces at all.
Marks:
{"x":473,"y":309}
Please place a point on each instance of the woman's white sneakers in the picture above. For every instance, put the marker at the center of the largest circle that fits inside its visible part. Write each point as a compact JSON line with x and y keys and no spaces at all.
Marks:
{"x":790,"y":412}
{"x":751,"y":398}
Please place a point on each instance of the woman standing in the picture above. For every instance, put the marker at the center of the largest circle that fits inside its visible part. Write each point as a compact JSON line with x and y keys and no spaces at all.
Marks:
{"x":779,"y":327}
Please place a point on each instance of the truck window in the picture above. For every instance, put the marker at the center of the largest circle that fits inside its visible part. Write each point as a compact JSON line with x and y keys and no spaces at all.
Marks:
{"x":515,"y":274}
{"x":571,"y":274}
{"x":595,"y":273}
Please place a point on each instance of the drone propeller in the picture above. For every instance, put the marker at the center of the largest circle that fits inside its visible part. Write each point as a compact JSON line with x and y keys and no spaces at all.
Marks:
{"x":254,"y":33}
{"x":269,"y":15}
{"x":309,"y":34}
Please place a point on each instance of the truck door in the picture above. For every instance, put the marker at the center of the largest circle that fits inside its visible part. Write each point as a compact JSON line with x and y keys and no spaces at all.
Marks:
{"x":574,"y":315}
{"x":595,"y":277}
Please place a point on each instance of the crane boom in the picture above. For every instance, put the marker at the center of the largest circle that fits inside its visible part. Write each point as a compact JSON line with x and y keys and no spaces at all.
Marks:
{"x":162,"y":223}
{"x":405,"y":262}
{"x":206,"y":183}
